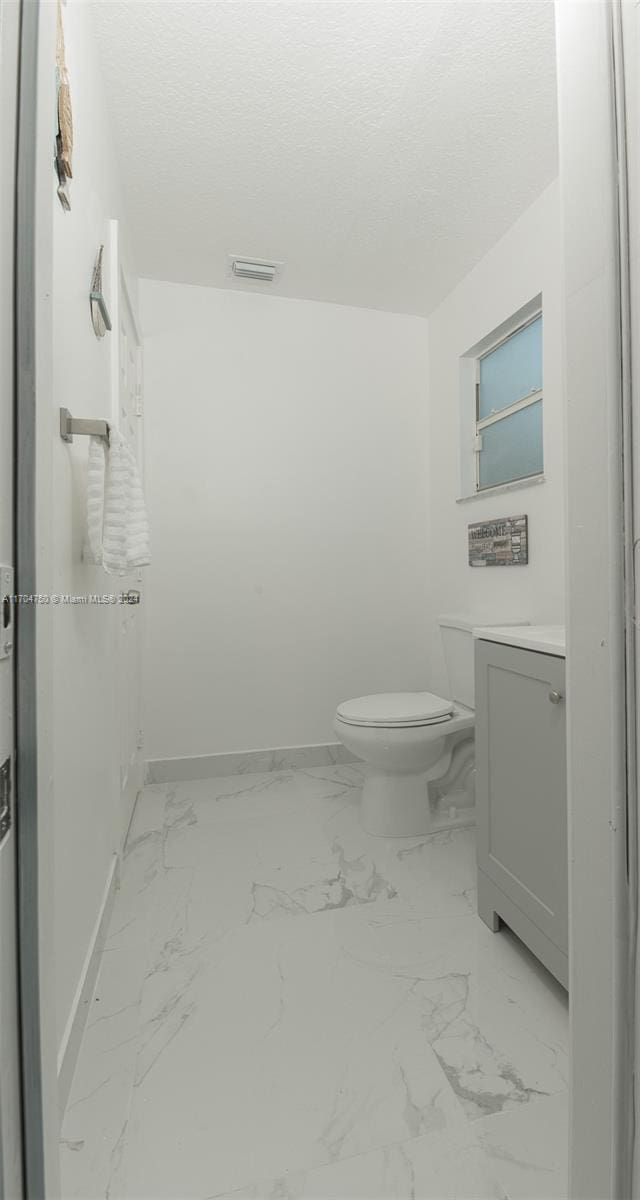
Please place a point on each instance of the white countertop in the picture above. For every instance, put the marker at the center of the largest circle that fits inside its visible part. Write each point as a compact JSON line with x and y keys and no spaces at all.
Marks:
{"x":548,"y":639}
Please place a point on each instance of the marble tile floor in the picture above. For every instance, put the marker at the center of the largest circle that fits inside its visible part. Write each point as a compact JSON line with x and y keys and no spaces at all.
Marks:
{"x":288,"y":1008}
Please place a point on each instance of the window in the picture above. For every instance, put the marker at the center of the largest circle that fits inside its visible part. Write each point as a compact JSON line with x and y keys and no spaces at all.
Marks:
{"x":508,"y":417}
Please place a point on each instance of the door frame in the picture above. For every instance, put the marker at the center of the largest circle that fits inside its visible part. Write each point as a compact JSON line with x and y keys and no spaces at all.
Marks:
{"x":11,"y":1114}
{"x":33,"y":432}
{"x":601,"y":587}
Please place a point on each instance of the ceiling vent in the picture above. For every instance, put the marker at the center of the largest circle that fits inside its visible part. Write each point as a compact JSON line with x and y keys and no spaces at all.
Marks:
{"x":254,"y":268}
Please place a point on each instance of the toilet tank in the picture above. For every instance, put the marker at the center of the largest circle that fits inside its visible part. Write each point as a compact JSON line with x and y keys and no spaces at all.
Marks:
{"x":457,"y":641}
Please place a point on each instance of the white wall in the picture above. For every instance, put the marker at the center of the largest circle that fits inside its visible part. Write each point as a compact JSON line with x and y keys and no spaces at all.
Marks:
{"x":303,"y":481}
{"x":523,"y":264}
{"x":287,"y":482}
{"x":85,"y":732}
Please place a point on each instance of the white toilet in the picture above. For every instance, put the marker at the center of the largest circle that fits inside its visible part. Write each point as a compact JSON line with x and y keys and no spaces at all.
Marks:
{"x":419,"y":746}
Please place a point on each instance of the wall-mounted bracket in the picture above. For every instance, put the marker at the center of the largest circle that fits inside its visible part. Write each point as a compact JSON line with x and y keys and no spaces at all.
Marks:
{"x":84,"y":428}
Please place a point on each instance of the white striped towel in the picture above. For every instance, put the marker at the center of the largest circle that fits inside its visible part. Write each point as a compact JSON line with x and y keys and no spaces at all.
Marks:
{"x":117,"y":525}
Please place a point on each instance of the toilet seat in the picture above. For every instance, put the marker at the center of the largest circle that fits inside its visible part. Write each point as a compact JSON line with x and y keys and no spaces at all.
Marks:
{"x":391,"y":710}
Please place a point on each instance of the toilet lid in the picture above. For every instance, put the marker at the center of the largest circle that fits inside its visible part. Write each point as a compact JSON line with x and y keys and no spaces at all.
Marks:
{"x":396,"y":708}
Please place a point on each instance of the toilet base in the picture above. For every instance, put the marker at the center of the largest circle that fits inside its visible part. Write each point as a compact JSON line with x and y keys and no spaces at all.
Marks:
{"x":417,"y":803}
{"x":395,"y":805}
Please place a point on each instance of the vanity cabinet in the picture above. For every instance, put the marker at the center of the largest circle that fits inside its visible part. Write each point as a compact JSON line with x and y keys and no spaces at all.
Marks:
{"x":521,"y":797}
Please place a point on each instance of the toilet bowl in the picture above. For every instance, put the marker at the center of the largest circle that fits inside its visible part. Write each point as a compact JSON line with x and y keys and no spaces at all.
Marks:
{"x":418,"y":746}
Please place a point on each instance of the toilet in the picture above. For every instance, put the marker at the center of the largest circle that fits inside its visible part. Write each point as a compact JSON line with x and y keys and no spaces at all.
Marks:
{"x":419,"y":746}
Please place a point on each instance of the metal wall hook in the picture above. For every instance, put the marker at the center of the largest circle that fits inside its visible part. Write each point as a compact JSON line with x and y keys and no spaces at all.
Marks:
{"x":83,"y":427}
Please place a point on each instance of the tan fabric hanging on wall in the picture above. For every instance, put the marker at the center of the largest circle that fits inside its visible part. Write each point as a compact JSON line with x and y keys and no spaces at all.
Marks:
{"x":64,"y":139}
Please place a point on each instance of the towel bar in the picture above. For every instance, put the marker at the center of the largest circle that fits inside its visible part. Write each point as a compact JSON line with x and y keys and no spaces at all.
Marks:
{"x":70,"y":425}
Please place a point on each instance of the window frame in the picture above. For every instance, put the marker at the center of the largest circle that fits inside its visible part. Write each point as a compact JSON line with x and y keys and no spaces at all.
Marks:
{"x":483,"y":423}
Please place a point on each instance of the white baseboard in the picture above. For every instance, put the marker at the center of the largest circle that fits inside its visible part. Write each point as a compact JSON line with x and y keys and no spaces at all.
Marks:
{"x":211,"y":766}
{"x":74,"y":1029}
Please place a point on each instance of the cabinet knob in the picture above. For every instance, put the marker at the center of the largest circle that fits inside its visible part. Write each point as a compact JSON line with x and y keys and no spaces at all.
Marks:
{"x":555,"y":697}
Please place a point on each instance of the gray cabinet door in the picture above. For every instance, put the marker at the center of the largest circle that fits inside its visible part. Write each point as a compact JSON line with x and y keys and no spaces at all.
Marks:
{"x":521,"y":781}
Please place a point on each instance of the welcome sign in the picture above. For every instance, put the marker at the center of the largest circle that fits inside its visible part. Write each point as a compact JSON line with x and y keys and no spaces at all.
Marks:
{"x":500,"y":543}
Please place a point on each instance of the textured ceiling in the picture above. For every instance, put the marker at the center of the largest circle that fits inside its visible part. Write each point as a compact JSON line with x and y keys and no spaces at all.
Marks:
{"x":379,"y":149}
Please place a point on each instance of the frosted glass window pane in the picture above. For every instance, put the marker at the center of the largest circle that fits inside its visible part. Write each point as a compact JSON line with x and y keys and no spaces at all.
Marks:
{"x":512,"y":448}
{"x":511,"y":371}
